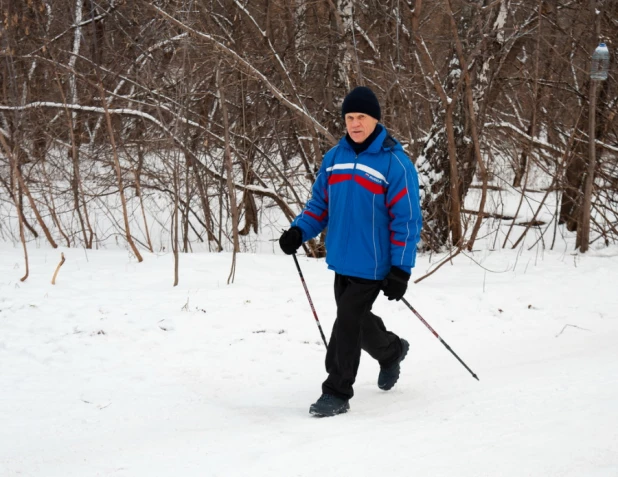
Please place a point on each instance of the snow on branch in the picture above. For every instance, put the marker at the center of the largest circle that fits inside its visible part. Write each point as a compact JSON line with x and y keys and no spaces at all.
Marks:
{"x":536,"y":141}
{"x":251,"y":70}
{"x":282,"y":66}
{"x":540,"y":143}
{"x":78,"y":25}
{"x":364,"y":34}
{"x":264,"y":191}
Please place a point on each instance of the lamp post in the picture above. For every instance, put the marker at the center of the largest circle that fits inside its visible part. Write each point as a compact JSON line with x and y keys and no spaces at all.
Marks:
{"x":599,"y":68}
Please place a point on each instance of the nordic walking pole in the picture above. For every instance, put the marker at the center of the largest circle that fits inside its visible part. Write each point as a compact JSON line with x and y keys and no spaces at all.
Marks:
{"x":302,"y":279}
{"x":438,"y":336}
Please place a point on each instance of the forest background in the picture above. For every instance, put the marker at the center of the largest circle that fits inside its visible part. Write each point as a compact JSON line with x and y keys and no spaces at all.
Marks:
{"x":200,"y":125}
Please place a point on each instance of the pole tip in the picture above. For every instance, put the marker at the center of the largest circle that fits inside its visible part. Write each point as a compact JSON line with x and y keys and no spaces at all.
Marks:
{"x":476,"y":377}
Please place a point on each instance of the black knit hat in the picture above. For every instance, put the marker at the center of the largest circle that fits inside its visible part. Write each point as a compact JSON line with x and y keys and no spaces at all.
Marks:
{"x":361,"y":100}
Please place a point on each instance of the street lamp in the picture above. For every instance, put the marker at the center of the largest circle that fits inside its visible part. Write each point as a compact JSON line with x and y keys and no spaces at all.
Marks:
{"x":599,"y":67}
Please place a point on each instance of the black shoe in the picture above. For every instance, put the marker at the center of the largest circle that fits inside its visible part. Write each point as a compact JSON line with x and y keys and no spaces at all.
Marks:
{"x":389,"y":376}
{"x":328,"y":405}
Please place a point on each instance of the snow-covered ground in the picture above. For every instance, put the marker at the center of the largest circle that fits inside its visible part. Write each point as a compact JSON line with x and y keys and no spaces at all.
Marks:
{"x":114,"y":372}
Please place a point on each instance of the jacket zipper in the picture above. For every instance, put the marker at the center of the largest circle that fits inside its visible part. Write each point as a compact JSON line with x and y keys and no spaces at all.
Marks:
{"x":348,"y":210}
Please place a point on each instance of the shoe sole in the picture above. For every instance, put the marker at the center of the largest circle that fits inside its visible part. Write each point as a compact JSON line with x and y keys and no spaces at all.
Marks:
{"x":317,"y":413}
{"x":406,"y":348}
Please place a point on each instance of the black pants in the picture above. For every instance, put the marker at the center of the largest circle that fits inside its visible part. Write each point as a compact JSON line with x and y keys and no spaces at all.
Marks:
{"x":355,"y":328}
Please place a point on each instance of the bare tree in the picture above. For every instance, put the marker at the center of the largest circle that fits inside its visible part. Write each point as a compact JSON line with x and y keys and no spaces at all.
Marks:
{"x":216,"y":114}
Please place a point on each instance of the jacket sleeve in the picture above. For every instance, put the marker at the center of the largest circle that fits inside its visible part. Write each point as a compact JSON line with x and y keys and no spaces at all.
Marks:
{"x":314,"y":217}
{"x":402,"y":200}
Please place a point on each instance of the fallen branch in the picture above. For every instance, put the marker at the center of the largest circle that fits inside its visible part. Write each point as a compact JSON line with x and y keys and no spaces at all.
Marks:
{"x":58,"y":268}
{"x":572,"y":326}
{"x":443,"y":262}
{"x":494,"y":215}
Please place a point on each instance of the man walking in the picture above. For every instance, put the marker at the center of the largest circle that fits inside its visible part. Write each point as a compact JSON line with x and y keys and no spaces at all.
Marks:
{"x":367,"y":193}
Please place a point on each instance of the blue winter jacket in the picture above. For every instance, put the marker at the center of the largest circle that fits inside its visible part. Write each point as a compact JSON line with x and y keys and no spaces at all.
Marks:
{"x":370,"y":204}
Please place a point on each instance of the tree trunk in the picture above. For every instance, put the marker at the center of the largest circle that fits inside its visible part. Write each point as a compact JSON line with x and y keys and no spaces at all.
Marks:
{"x":229,"y":171}
{"x":583,"y":231}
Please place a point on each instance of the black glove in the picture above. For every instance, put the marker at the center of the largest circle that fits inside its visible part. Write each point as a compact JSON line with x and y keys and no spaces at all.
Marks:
{"x":396,"y":283}
{"x":290,"y":240}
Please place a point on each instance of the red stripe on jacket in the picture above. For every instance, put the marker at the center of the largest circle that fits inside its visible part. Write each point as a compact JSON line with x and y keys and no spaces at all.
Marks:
{"x":369,"y":185}
{"x":319,"y":218}
{"x":336,"y":178}
{"x":398,"y":197}
{"x":395,"y":242}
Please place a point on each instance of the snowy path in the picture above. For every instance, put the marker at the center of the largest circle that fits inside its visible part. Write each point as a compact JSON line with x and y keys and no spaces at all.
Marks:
{"x":113,"y":372}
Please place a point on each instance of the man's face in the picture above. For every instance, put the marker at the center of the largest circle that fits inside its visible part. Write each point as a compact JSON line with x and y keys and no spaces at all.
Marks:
{"x":360,"y":126}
